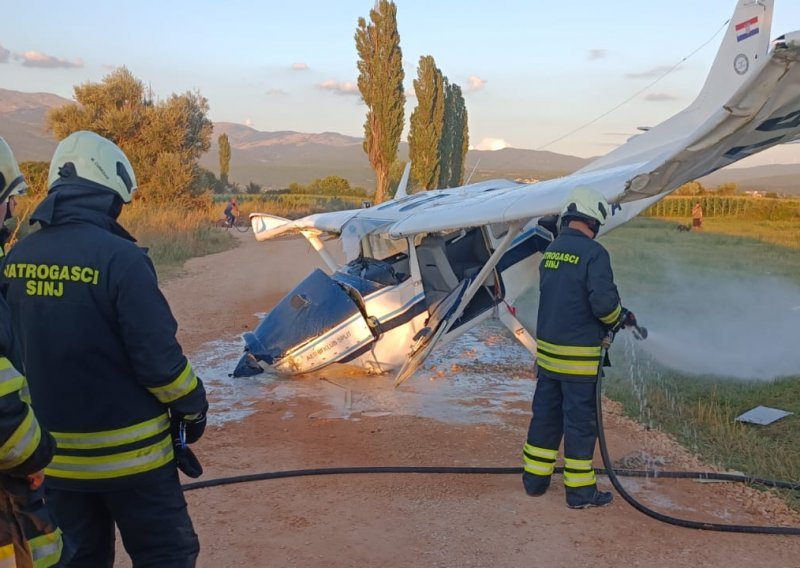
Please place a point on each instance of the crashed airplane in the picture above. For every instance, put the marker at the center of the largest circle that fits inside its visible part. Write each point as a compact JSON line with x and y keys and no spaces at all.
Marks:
{"x":424,"y":268}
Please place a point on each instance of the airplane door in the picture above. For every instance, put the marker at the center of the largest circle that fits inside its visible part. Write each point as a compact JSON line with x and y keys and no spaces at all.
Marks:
{"x":436,"y":326}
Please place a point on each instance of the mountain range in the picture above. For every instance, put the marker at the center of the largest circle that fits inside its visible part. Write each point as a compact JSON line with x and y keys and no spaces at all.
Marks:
{"x":276,"y":159}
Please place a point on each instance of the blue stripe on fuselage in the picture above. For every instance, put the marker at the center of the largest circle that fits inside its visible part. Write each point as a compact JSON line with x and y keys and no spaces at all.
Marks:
{"x":524,"y":246}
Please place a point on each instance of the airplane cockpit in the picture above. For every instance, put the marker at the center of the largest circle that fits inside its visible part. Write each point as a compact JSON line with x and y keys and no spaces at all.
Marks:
{"x":381,"y":262}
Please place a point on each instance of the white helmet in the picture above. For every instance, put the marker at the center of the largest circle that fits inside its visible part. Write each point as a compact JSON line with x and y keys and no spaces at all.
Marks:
{"x":587,"y":204}
{"x":11,"y":180}
{"x":96,"y":159}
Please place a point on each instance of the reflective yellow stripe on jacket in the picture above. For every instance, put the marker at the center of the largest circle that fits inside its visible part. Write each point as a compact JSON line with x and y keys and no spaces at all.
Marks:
{"x":22,"y":443}
{"x":575,"y":360}
{"x":183,"y":384}
{"x":82,"y":461}
{"x":7,"y":556}
{"x":10,"y":379}
{"x":613,"y":317}
{"x":46,"y":549}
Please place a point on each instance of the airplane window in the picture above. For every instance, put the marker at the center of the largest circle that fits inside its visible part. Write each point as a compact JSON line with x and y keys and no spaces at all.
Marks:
{"x":499,"y":230}
{"x":383,"y":247}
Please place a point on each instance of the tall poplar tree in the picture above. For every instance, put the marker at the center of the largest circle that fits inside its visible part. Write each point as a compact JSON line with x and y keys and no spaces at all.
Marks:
{"x":224,"y":158}
{"x":427,"y":121}
{"x":455,"y":137}
{"x":380,"y":81}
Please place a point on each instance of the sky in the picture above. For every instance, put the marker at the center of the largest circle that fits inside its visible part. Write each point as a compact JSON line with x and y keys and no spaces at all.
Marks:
{"x":531,"y":71}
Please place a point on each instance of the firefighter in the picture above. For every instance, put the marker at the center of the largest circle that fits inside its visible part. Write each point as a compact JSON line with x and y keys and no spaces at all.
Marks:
{"x":12,"y":184}
{"x":578,"y":306}
{"x":107,"y":375}
{"x":28,"y":535}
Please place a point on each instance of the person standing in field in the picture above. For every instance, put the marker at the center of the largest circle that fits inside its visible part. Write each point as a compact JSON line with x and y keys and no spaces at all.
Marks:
{"x":107,"y":375}
{"x":697,"y":216}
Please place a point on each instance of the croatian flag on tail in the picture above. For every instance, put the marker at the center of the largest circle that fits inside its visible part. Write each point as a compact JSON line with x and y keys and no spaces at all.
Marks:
{"x":747,"y":29}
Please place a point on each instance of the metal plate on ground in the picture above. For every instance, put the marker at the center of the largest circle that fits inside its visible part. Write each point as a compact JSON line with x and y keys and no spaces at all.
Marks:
{"x":763,"y":415}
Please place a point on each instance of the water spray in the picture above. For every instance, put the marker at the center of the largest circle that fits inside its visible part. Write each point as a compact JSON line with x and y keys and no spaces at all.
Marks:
{"x":640,"y":333}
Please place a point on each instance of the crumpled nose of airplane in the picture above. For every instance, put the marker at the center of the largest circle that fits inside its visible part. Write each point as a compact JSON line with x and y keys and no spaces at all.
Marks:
{"x":247,"y":366}
{"x":316,"y":306}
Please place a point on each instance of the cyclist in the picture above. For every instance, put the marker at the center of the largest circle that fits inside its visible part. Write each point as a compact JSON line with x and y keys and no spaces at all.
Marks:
{"x":231,"y":211}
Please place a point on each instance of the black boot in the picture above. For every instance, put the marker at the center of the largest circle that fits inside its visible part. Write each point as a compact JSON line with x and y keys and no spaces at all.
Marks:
{"x":535,"y":485}
{"x":586,"y":497}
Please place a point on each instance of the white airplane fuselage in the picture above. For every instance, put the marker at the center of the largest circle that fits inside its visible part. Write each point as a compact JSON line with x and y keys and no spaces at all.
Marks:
{"x":379,"y":331}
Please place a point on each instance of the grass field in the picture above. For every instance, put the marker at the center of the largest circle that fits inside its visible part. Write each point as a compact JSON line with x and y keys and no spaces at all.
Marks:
{"x":724,"y":318}
{"x":173,"y":236}
{"x":784,"y":233}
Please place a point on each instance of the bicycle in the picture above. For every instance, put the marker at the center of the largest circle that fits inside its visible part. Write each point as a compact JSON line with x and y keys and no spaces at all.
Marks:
{"x":238,"y":224}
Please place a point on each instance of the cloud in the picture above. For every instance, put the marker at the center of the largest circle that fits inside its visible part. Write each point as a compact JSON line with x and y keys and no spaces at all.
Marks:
{"x":300,"y":66}
{"x":490,"y":144}
{"x":249,"y":123}
{"x":4,"y":53}
{"x":39,"y":59}
{"x":653,"y":73}
{"x":660,"y":97}
{"x":274,"y":92}
{"x":411,"y":93}
{"x":475,"y":83}
{"x":593,"y":54}
{"x":340,"y":88}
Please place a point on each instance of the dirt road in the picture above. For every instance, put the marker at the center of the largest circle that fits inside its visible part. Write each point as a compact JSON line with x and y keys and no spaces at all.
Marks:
{"x":421,"y":520}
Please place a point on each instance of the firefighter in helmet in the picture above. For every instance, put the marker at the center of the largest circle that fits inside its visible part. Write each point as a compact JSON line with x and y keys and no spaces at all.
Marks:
{"x":578,"y":306}
{"x":106,"y":373}
{"x":28,"y":535}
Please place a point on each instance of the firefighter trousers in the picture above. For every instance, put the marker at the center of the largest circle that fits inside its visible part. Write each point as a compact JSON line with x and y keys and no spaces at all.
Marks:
{"x":564,"y":408}
{"x":153,"y":522}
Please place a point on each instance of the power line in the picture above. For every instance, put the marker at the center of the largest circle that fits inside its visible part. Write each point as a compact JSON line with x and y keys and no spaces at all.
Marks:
{"x":636,"y":94}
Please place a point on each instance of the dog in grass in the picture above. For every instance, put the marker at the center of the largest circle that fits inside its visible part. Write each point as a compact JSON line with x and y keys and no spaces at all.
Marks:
{"x":684,"y":228}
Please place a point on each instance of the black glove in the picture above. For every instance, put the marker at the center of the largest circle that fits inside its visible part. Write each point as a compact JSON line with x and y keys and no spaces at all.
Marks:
{"x":187,"y":462}
{"x":185,"y":459}
{"x":192,"y":425}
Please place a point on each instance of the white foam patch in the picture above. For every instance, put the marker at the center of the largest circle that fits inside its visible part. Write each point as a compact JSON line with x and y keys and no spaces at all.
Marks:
{"x":480,"y":377}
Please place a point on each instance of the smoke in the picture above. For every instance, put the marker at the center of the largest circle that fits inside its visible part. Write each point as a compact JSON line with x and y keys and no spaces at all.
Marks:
{"x":736,"y":326}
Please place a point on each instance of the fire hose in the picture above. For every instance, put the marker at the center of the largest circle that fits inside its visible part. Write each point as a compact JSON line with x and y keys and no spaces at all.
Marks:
{"x":640,"y":333}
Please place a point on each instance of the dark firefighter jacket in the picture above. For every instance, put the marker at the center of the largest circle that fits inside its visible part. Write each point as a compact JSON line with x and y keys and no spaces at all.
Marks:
{"x":28,"y":535}
{"x":98,"y":344}
{"x":578,"y":303}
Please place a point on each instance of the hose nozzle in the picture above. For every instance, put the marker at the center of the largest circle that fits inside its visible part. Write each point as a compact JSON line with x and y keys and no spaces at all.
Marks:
{"x":639,"y":332}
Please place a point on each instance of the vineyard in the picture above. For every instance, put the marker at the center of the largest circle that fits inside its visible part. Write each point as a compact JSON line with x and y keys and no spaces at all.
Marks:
{"x":745,"y":207}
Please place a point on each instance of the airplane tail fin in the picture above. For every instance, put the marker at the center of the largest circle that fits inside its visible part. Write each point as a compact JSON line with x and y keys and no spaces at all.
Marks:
{"x":402,"y":187}
{"x":745,"y":44}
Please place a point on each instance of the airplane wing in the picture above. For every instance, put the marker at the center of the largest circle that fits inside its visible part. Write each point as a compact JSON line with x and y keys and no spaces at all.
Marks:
{"x":763,"y":112}
{"x":266,"y":226}
{"x":751,"y":102}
